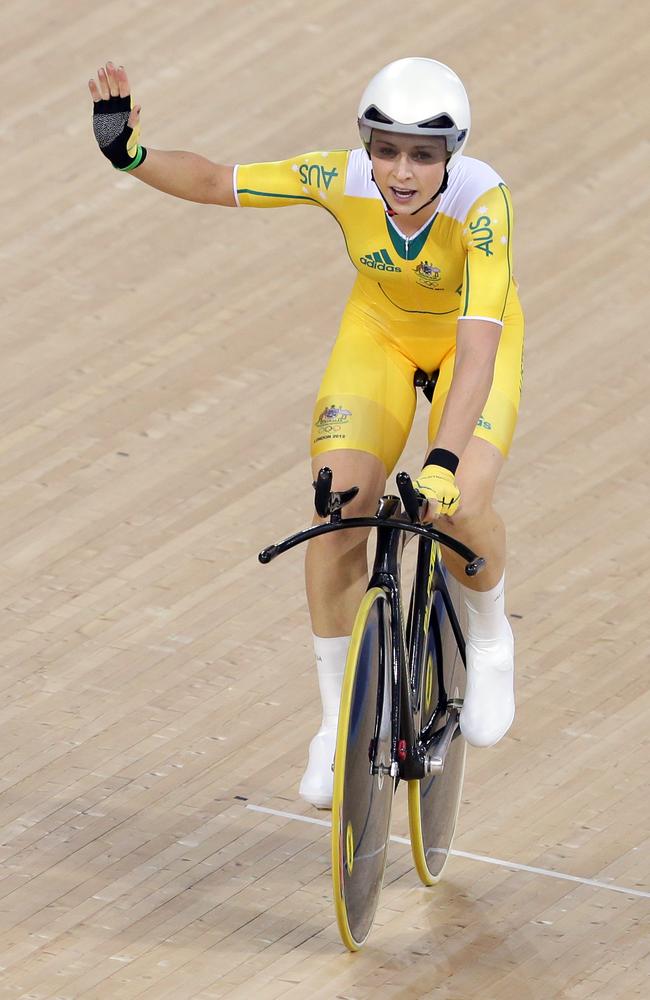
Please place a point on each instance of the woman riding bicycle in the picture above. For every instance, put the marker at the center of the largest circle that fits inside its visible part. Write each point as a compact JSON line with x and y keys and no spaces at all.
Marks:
{"x":430,"y":233}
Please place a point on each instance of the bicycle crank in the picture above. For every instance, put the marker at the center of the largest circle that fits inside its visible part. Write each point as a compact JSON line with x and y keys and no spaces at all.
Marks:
{"x":434,"y":761}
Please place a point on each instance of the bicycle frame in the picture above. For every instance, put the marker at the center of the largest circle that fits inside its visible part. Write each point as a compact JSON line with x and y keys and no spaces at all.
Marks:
{"x":409,"y":750}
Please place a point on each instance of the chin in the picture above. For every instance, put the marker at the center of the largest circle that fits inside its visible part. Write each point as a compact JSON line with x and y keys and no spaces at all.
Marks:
{"x":405,"y":209}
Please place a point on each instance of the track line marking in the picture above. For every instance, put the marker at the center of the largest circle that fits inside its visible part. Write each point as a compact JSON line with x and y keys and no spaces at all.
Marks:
{"x":484,"y":858}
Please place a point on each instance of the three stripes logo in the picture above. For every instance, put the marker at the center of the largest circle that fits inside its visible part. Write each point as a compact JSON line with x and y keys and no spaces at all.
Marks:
{"x":379,"y":260}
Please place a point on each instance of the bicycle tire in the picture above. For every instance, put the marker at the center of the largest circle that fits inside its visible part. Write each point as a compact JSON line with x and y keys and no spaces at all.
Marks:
{"x":362,"y":801}
{"x":434,"y":801}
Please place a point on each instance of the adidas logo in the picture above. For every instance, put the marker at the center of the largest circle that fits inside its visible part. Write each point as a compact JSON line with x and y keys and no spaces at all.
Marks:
{"x":380,"y":260}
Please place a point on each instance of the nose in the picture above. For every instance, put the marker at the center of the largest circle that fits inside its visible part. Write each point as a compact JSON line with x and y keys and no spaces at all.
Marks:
{"x":402,"y":167}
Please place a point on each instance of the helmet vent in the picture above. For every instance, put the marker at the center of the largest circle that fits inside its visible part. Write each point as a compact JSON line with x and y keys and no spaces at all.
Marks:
{"x":442,"y":121}
{"x":374,"y":115}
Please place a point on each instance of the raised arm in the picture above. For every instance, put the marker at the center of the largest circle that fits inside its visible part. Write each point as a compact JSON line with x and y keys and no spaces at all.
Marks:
{"x":116,"y":123}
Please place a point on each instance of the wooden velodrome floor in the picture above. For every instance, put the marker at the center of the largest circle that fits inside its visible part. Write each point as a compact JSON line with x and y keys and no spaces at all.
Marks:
{"x":159,"y":363}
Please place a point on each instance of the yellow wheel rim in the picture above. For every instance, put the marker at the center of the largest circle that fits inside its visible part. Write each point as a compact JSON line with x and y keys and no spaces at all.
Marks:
{"x":428,"y":684}
{"x":349,"y":848}
{"x":415,"y":831}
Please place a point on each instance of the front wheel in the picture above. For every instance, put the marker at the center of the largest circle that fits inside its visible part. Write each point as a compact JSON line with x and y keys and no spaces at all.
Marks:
{"x":363,"y":785}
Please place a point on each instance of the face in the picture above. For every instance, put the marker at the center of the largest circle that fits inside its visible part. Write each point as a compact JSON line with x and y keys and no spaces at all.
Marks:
{"x":408,"y":169}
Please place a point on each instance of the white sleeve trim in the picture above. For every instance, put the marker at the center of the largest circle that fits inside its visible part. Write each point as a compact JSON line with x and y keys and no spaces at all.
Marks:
{"x":358,"y":177}
{"x":234,"y":184}
{"x":487,"y":319}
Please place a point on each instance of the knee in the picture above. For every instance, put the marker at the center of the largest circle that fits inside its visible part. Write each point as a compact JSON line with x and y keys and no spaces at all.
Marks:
{"x":368,"y":476}
{"x":365,"y":503}
{"x":343,"y":542}
{"x":476,"y":479}
{"x":370,"y":484}
{"x":475,"y":506}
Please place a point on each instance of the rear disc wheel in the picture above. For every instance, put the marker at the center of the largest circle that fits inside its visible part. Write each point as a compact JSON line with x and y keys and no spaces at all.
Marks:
{"x":434,"y":800}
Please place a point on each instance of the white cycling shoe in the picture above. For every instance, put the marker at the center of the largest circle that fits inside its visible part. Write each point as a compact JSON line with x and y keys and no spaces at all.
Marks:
{"x":489,"y":705}
{"x":317,"y":783}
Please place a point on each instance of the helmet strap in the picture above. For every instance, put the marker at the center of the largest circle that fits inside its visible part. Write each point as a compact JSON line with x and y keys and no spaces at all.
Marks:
{"x":389,"y":210}
{"x":443,"y":187}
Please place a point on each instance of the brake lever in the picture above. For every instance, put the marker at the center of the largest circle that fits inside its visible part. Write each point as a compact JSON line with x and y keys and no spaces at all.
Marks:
{"x":322,"y":488}
{"x":414,"y":502}
{"x":329,"y":503}
{"x":415,"y":505}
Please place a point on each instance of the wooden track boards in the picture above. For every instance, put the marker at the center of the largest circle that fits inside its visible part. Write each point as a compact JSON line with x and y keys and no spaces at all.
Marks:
{"x":160,"y":361}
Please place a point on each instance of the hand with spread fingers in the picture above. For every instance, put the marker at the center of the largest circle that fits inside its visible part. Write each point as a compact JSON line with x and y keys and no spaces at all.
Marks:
{"x":116,"y":122}
{"x":439,"y":487}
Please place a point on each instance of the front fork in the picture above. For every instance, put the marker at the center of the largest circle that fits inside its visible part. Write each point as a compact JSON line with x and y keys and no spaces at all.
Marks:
{"x":407,"y":757}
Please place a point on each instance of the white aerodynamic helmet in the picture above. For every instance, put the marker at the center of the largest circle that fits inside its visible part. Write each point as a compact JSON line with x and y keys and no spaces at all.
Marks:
{"x":420,"y":97}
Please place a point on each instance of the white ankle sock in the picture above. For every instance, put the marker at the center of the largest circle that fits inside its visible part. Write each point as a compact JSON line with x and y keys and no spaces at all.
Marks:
{"x":486,"y":613}
{"x":331,"y":655}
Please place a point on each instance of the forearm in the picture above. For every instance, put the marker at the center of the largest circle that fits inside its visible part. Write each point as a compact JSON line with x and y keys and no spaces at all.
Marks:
{"x":187,"y":175}
{"x":467,"y":396}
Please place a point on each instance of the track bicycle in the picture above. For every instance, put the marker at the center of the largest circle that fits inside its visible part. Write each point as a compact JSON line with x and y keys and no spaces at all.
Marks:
{"x":400,"y":703}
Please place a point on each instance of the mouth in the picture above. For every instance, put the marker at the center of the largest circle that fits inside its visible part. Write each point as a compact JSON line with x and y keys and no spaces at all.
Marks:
{"x":403,"y":196}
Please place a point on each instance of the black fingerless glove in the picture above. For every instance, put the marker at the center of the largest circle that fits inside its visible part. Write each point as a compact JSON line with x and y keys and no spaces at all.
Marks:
{"x":117,"y":140}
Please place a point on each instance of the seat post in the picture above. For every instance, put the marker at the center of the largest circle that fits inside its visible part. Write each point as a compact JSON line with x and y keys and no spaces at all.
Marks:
{"x":426,"y":382}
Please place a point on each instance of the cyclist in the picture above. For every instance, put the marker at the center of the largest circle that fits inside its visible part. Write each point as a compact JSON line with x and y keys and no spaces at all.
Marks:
{"x":430,"y":233}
